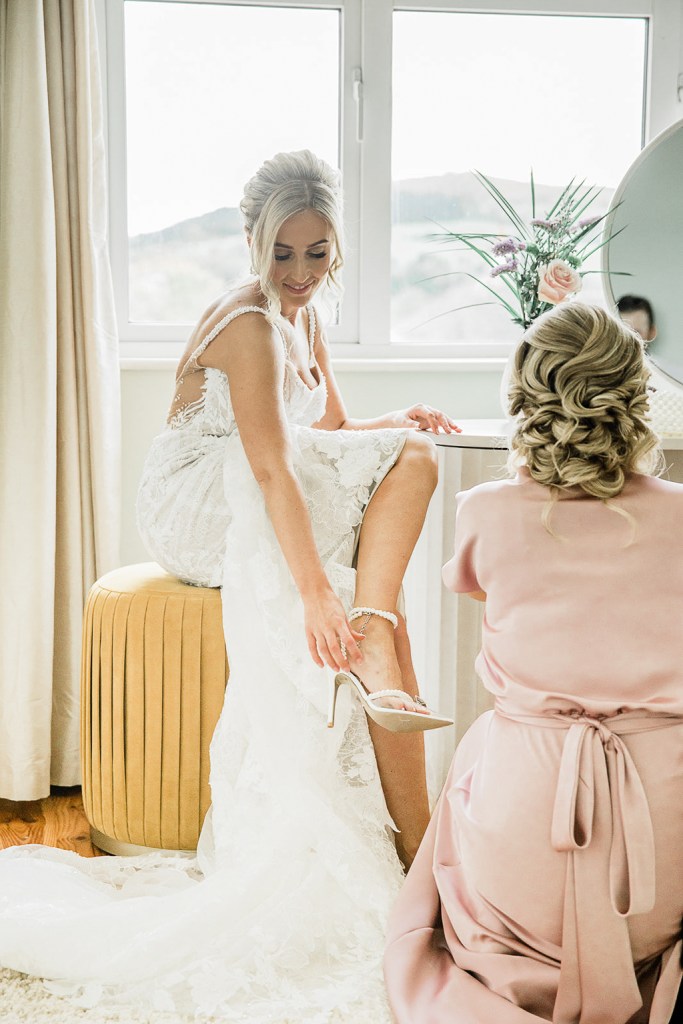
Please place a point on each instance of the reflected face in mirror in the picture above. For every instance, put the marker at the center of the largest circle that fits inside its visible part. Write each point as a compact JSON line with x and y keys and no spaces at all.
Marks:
{"x":643,"y":250}
{"x":639,"y":321}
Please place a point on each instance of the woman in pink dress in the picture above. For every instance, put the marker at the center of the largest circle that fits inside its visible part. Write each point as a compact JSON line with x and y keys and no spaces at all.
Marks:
{"x":549,"y":886}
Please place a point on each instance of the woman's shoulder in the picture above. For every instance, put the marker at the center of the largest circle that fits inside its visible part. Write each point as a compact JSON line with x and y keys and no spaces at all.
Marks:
{"x":489,"y":492}
{"x":245,"y":298}
{"x":246,"y":304}
{"x":653,"y":488}
{"x":487,"y":500}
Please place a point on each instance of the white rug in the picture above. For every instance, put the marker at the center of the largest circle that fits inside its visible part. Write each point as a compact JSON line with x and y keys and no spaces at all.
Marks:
{"x":24,"y":999}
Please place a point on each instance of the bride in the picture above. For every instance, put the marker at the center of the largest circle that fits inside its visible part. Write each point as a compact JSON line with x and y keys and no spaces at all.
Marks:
{"x":262,"y":484}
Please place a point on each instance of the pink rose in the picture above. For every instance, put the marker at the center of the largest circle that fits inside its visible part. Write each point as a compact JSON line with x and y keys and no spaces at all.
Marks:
{"x":557,"y":281}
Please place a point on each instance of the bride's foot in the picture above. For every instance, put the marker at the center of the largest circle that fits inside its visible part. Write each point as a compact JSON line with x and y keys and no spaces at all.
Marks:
{"x":388,"y":706}
{"x":379,"y":669}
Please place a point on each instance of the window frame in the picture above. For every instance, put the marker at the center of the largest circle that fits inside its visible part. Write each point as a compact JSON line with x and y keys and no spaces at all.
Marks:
{"x":145,"y":339}
{"x":363,"y":338}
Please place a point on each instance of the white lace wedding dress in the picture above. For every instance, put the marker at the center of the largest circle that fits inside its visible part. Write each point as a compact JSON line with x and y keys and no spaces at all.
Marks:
{"x":281,"y":915}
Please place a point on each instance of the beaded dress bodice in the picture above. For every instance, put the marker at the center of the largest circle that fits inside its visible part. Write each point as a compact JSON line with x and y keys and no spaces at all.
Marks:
{"x":202,"y":401}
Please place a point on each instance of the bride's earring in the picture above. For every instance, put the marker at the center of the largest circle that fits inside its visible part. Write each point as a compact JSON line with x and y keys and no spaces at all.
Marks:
{"x":251,"y":262}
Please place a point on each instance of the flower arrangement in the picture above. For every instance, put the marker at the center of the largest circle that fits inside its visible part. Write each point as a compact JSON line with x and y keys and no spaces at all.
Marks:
{"x":539,"y":264}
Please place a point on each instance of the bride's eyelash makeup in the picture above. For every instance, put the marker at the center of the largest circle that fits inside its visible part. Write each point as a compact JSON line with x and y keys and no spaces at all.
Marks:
{"x":315,"y":255}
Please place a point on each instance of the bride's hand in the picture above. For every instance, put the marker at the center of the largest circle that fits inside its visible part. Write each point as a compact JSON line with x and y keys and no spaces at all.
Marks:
{"x":327,"y":625}
{"x":425,"y":417}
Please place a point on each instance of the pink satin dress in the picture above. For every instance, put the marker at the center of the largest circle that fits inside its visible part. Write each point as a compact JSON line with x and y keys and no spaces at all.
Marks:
{"x":549,"y":886}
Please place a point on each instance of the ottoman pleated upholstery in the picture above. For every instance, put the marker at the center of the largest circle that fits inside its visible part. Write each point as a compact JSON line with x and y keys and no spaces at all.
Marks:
{"x":152,"y":686}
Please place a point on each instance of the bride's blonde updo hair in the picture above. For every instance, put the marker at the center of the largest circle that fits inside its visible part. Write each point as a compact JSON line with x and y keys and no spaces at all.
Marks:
{"x":578,"y":388}
{"x":291,"y":183}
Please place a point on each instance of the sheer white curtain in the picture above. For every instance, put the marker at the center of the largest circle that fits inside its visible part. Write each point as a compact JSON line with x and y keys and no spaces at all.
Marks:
{"x":59,"y":382}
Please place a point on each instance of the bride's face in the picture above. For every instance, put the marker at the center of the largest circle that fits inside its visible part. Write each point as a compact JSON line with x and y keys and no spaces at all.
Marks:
{"x":301,"y":258}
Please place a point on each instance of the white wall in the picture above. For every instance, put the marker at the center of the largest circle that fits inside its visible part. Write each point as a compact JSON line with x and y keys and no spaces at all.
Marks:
{"x":146,"y":395}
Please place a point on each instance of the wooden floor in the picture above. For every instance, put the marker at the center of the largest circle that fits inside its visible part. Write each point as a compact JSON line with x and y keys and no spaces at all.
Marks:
{"x":58,"y":820}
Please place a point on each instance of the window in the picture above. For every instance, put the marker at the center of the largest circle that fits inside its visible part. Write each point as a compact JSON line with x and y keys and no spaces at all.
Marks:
{"x":406,"y":98}
{"x":563,"y":95}
{"x":205,"y":106}
{"x":201,"y":115}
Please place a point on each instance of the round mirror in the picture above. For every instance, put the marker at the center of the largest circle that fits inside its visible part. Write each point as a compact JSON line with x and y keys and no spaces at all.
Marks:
{"x":646,"y":221}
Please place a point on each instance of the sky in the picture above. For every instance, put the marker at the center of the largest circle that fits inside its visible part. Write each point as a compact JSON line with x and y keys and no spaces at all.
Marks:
{"x":214,"y":90}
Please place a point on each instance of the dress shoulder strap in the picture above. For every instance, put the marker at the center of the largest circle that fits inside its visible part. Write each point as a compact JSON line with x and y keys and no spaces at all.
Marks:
{"x":312,"y":327}
{"x":215,"y":331}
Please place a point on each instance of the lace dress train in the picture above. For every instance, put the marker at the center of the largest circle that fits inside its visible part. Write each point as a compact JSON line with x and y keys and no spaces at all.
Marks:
{"x":281,"y":916}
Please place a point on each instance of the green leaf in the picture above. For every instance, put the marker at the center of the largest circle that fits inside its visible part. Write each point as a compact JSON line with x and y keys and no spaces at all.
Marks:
{"x":516,"y":277}
{"x":584,"y":203}
{"x":588,"y":227}
{"x":435,"y":277}
{"x":445,"y":234}
{"x":486,"y":256}
{"x":503,"y":203}
{"x":443,"y":229}
{"x":592,"y":226}
{"x":533,"y":193}
{"x":583,"y":233}
{"x":467,"y":234}
{"x":446,"y":312}
{"x":612,"y":273}
{"x":493,"y":292}
{"x":571,"y":198}
{"x":561,"y":196}
{"x":461,"y":248}
{"x":603,"y":241}
{"x":572,"y":203}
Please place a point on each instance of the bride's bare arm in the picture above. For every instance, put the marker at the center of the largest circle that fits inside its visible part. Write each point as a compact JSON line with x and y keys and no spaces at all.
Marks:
{"x":420,"y":416}
{"x":250,"y":352}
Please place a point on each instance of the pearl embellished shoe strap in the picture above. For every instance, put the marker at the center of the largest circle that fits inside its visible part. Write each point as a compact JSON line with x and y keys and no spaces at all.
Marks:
{"x":362,"y":612}
{"x":357,"y":613}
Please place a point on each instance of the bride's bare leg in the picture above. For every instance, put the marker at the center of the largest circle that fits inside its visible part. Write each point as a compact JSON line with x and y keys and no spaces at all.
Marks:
{"x":390,"y":530}
{"x":404,"y":656}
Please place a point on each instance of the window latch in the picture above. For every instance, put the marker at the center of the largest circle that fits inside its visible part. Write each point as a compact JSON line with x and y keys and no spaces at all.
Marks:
{"x":357,"y":80}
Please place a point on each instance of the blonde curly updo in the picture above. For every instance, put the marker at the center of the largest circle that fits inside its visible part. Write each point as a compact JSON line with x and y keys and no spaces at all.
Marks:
{"x":578,"y":388}
{"x":291,"y":183}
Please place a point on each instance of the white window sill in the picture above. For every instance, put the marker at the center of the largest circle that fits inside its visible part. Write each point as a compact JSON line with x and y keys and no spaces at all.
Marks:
{"x":481,"y":357}
{"x":359,"y":364}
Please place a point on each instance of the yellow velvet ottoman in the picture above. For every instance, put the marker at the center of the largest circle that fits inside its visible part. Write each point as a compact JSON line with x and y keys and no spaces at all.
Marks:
{"x":152,"y":687}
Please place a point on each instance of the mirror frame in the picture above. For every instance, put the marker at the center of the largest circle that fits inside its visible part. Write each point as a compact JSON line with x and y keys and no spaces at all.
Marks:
{"x":658,"y":373}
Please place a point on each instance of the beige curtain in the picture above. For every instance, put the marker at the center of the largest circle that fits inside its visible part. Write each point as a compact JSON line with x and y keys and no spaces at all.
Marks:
{"x":59,"y":382}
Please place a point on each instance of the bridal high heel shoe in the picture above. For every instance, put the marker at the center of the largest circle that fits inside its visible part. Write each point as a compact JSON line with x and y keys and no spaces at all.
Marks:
{"x":394,"y":719}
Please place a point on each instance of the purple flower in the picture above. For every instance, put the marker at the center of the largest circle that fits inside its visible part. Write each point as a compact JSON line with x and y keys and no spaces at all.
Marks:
{"x":587,"y":222}
{"x":547,"y":225}
{"x":505,"y":268}
{"x":508,"y":245}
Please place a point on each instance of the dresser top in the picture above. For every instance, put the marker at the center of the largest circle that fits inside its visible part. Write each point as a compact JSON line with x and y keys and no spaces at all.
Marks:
{"x":494,"y":434}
